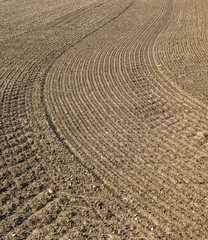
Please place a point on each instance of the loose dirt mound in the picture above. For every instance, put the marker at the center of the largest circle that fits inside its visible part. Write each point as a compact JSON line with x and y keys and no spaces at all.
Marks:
{"x":104,"y":127}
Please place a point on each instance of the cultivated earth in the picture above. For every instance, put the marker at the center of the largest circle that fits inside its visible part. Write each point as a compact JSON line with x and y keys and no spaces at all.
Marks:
{"x":103,"y":119}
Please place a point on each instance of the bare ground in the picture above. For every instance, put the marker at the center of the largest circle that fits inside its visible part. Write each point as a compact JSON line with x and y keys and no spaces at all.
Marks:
{"x":103,"y":119}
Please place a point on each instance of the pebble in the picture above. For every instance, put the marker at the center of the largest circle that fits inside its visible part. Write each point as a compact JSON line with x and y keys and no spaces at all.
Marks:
{"x":50,"y":191}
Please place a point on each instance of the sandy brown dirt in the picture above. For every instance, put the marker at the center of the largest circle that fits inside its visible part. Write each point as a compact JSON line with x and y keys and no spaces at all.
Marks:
{"x":104,"y":119}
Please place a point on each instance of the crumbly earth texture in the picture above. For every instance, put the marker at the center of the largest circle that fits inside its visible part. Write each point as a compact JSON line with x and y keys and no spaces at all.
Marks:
{"x":103,"y":119}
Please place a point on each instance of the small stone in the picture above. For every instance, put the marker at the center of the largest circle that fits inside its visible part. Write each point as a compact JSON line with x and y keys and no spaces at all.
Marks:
{"x":50,"y":191}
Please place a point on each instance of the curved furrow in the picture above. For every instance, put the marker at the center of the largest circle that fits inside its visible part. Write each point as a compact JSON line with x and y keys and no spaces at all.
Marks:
{"x":17,"y":104}
{"x":192,"y":149}
{"x":19,"y":91}
{"x":93,"y":94}
{"x":78,"y":90}
{"x":189,"y":53}
{"x":76,"y":142}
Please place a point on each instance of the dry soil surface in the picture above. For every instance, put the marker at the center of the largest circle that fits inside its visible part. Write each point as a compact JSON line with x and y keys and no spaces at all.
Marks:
{"x":104,"y":119}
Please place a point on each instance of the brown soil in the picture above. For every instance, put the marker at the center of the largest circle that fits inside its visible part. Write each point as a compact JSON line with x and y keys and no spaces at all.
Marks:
{"x":104,"y":119}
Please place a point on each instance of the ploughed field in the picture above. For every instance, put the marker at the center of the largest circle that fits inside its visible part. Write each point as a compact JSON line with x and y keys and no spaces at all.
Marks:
{"x":104,"y":119}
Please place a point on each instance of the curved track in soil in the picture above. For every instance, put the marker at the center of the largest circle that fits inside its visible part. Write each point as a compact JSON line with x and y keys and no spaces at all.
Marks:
{"x":104,"y":119}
